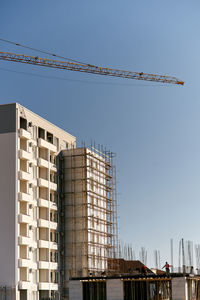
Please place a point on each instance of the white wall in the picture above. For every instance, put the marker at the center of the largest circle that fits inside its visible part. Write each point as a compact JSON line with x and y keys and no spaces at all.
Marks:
{"x":7,"y":208}
{"x":114,"y":289}
{"x":179,"y":288}
{"x":75,"y":290}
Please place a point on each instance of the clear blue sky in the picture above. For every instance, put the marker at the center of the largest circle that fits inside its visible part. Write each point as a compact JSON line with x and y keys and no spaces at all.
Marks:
{"x":153,"y":128}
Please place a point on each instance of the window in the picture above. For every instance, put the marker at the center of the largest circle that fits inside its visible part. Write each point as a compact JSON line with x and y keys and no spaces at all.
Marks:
{"x":50,"y":137}
{"x":56,"y":256}
{"x":55,"y":141}
{"x":41,"y":133}
{"x":51,"y":197}
{"x":55,"y":197}
{"x":56,"y":237}
{"x":56,"y":277}
{"x":55,"y":217}
{"x":23,"y":123}
{"x":64,"y":145}
{"x":94,"y":290}
{"x":52,"y":177}
{"x":51,"y":276}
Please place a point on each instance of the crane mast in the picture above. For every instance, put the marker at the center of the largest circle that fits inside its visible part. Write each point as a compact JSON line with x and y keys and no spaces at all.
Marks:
{"x":87,"y":68}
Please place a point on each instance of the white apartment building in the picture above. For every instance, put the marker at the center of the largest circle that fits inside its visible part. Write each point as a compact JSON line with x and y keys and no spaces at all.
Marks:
{"x":29,"y":239}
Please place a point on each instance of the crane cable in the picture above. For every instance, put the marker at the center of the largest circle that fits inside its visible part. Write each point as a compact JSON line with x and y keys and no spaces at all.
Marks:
{"x":88,"y":68}
{"x":79,"y":80}
{"x":45,"y":52}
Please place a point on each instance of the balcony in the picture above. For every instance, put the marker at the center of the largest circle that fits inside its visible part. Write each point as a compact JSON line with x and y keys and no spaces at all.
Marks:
{"x":24,"y":285}
{"x":24,"y":176}
{"x":26,"y":263}
{"x":44,"y":286}
{"x":53,"y":245}
{"x":53,"y":266}
{"x":53,"y":206}
{"x":43,"y":203}
{"x":43,"y":223}
{"x":24,"y":197}
{"x":53,"y":286}
{"x":23,"y":240}
{"x":53,"y":225}
{"x":53,"y":186}
{"x":53,"y":167}
{"x":43,"y":182}
{"x":44,"y":144}
{"x":48,"y":245}
{"x":43,"y":265}
{"x":24,"y":155}
{"x":43,"y":244}
{"x":24,"y":219}
{"x":48,"y":286}
{"x":24,"y":134}
{"x":43,"y":163}
{"x":23,"y":263}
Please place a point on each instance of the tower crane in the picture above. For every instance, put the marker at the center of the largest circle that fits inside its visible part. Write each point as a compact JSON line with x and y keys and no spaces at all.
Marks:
{"x":87,"y":68}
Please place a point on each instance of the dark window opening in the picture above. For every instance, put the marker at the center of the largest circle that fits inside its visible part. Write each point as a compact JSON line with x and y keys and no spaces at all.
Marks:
{"x":94,"y":290}
{"x":56,"y":277}
{"x":23,"y":123}
{"x":56,"y":237}
{"x":51,"y":236}
{"x":142,"y":290}
{"x":51,"y":197}
{"x":23,"y":294}
{"x":41,"y":133}
{"x":51,"y":274}
{"x":50,"y":137}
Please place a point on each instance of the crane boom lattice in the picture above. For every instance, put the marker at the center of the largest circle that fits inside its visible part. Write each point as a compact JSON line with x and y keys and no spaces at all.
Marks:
{"x":72,"y":66}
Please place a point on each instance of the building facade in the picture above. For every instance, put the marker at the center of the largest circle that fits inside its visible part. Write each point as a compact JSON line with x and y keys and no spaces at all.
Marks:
{"x":29,"y":249}
{"x":58,"y":208}
{"x":88,"y":213}
{"x":136,"y":287}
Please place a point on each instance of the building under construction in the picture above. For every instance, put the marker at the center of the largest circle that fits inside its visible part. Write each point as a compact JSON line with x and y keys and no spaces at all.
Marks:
{"x":58,"y":214}
{"x":88,"y":213}
{"x":136,"y":287}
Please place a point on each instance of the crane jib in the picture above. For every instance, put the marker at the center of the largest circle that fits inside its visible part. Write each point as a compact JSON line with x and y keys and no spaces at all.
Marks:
{"x":73,"y":66}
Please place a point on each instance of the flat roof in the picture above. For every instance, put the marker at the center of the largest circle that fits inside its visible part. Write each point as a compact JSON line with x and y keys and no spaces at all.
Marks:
{"x":136,"y":277}
{"x":18,"y":104}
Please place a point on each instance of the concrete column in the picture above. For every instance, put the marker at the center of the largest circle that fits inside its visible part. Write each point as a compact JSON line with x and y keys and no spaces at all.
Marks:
{"x":114,"y":289}
{"x":179,"y":288}
{"x":75,"y":290}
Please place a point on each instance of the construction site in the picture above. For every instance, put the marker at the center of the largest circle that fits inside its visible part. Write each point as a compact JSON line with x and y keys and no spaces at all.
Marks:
{"x":62,"y":200}
{"x":88,"y":212}
{"x":135,"y":286}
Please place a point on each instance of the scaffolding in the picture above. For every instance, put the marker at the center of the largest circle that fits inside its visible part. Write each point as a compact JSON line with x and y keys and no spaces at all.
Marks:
{"x":147,"y":289}
{"x":88,"y":209}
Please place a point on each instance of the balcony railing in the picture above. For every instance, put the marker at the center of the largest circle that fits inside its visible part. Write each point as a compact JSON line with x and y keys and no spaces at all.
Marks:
{"x":24,"y":197}
{"x":24,"y":134}
{"x":24,"y":176}
{"x":24,"y":154}
{"x":44,"y":144}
